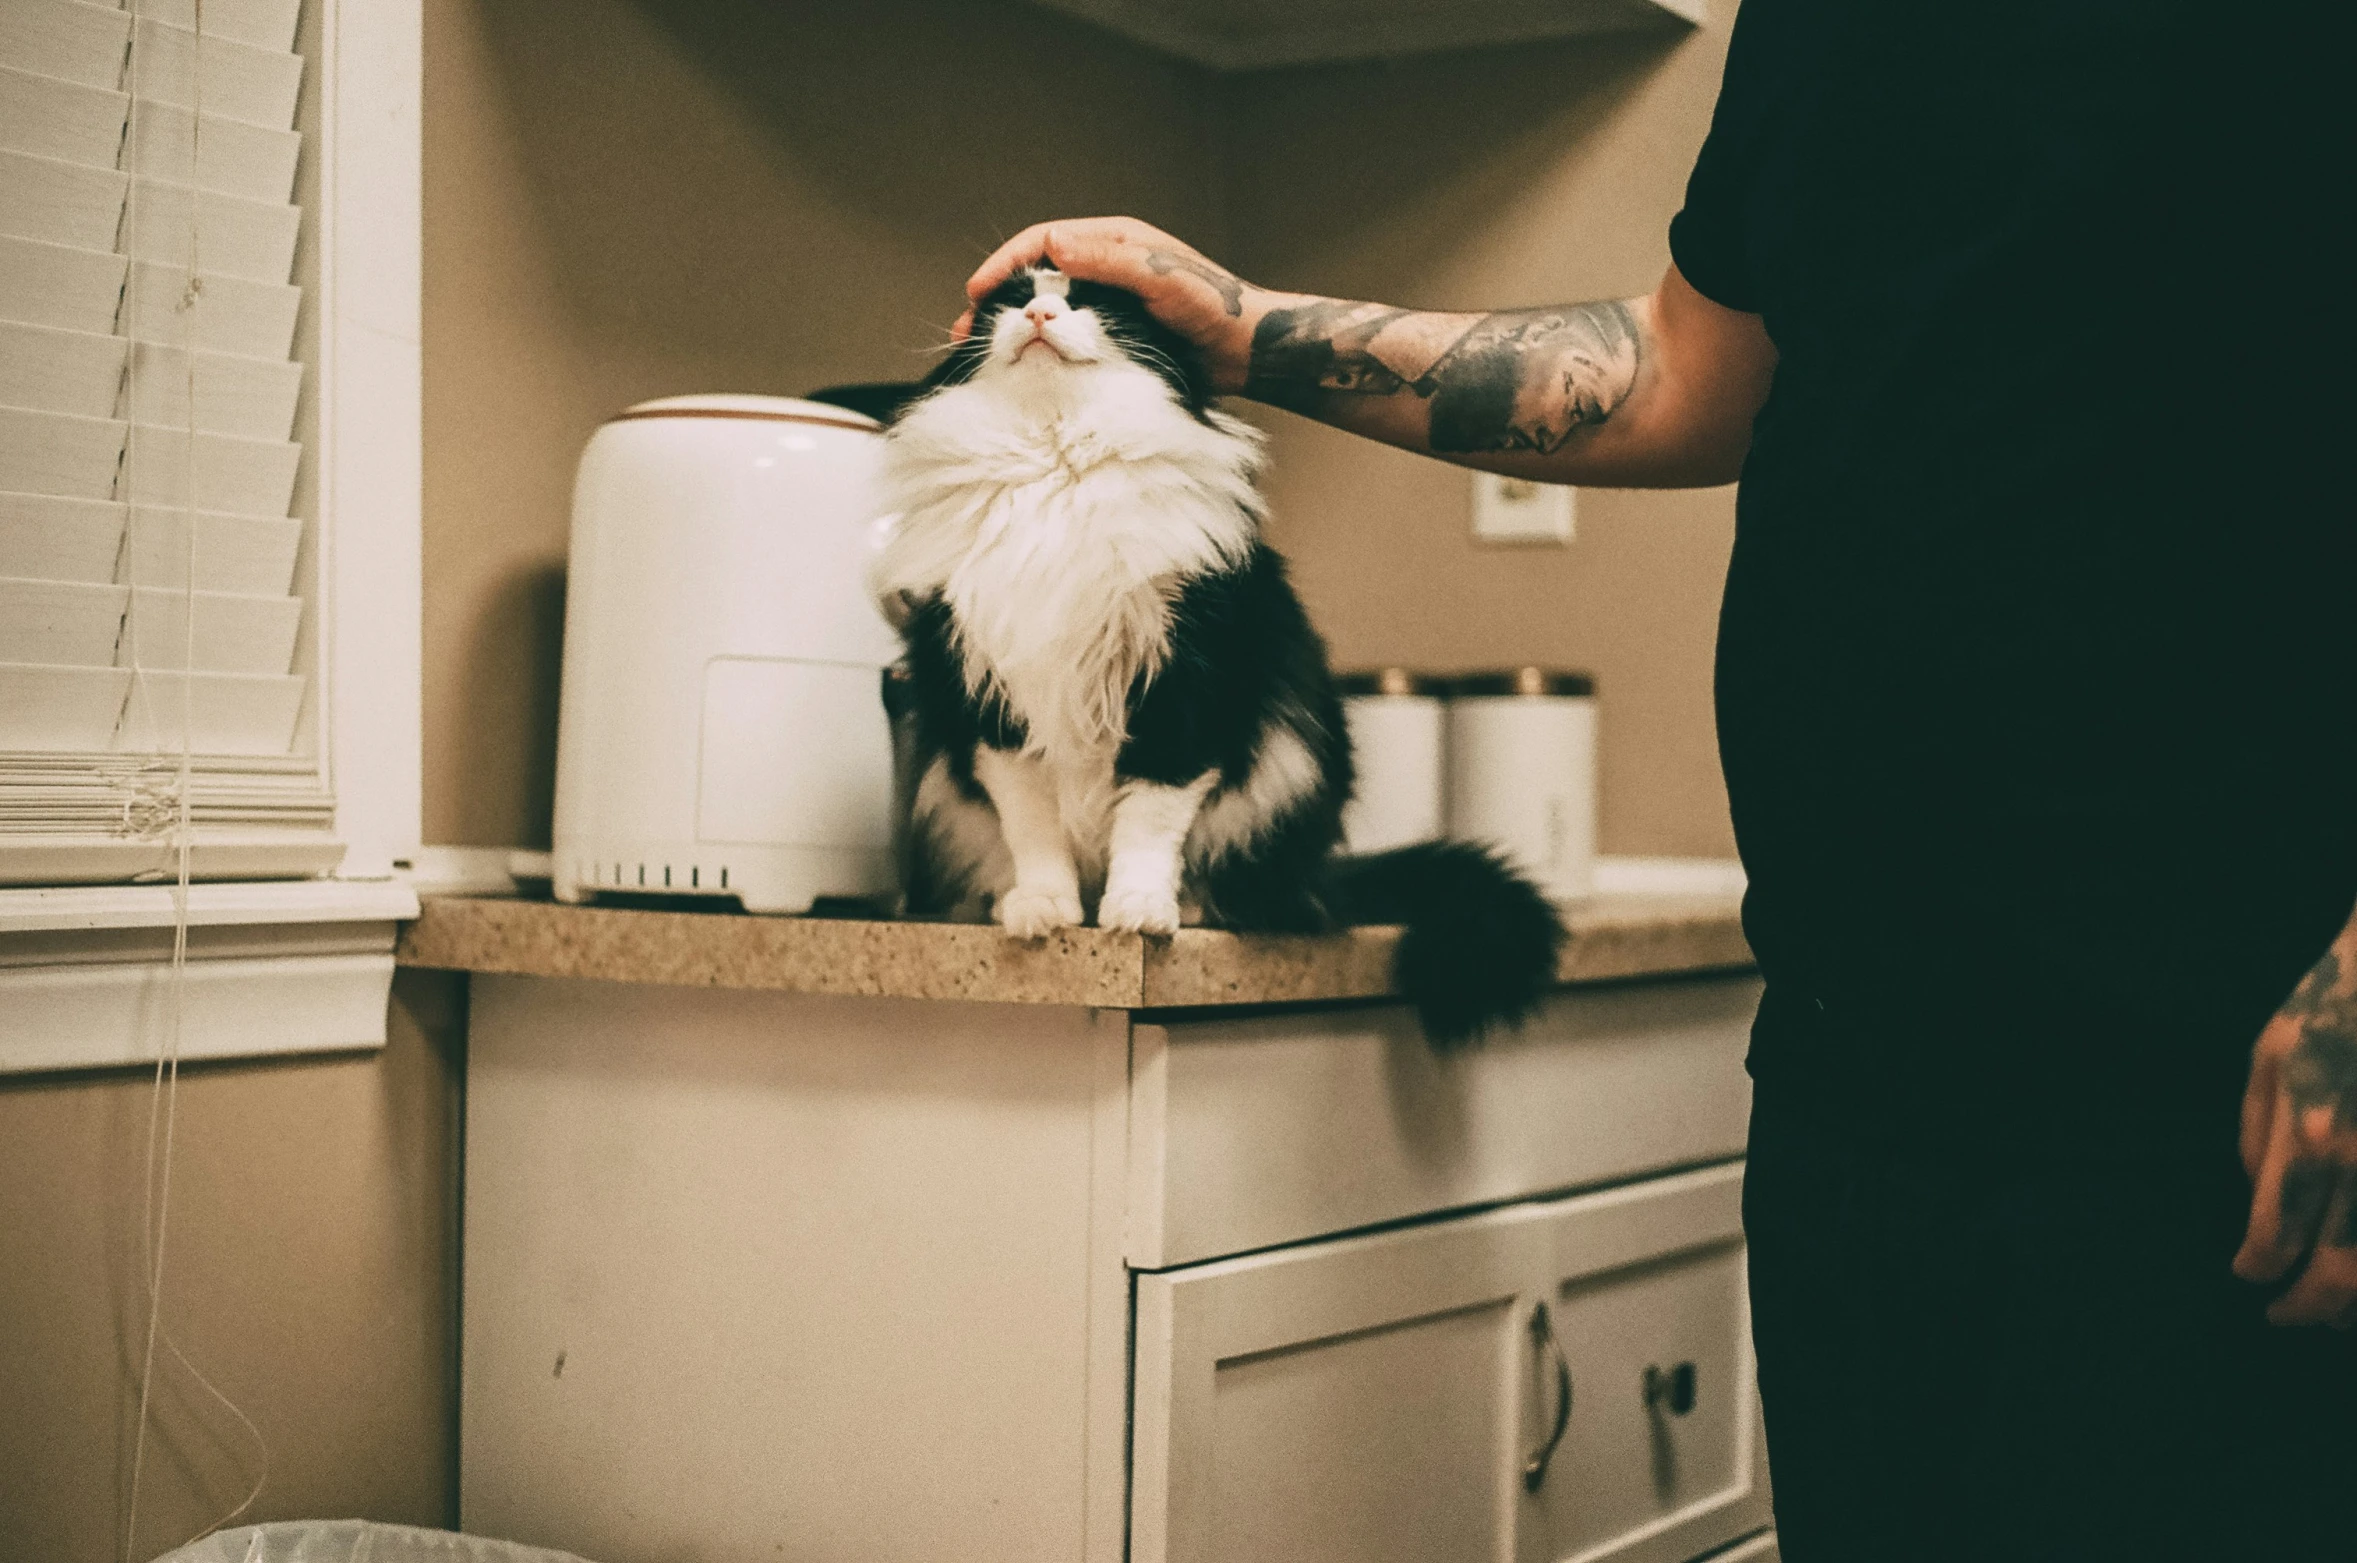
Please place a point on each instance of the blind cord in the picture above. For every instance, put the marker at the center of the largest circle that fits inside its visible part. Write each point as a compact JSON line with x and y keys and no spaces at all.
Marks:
{"x":164,"y":1095}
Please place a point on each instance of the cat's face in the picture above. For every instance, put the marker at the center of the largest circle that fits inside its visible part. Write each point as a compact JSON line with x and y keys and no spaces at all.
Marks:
{"x":1041,"y":322}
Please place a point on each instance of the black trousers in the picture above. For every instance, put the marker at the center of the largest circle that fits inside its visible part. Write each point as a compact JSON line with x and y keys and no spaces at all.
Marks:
{"x":2028,"y":1346}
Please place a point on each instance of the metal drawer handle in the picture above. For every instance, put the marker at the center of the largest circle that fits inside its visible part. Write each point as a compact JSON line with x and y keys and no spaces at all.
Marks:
{"x":1673,"y":1390}
{"x":1542,"y":1334}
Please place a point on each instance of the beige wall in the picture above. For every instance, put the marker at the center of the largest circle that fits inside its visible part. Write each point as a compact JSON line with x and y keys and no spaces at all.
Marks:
{"x":310,"y":1272}
{"x":1475,"y":181}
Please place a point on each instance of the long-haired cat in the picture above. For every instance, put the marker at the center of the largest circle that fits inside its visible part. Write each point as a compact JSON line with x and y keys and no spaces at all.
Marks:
{"x":1119,"y":706}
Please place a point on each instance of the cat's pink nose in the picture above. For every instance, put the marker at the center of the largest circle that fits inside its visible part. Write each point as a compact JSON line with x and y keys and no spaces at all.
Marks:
{"x":1042,"y":310}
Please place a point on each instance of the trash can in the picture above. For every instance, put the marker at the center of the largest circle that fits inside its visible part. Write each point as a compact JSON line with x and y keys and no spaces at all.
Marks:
{"x":355,"y":1541}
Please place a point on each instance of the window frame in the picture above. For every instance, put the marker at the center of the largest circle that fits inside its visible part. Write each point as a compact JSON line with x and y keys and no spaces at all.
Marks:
{"x":304,"y":964}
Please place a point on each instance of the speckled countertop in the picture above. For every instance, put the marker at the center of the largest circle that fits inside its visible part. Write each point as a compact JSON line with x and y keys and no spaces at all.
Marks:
{"x":1614,"y":935}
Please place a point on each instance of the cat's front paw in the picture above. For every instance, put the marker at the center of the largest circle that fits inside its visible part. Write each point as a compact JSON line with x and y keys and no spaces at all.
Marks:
{"x":1139,"y":909}
{"x":1029,"y":912}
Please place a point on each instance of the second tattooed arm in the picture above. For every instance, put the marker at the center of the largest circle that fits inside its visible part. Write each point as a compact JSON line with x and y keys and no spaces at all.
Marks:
{"x":1652,"y":391}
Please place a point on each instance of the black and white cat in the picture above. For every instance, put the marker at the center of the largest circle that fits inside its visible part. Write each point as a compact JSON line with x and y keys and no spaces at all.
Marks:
{"x":1118,"y":703}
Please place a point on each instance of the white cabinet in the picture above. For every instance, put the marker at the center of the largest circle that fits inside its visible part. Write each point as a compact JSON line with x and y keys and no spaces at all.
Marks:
{"x":869,"y":1280}
{"x":1554,"y":1381}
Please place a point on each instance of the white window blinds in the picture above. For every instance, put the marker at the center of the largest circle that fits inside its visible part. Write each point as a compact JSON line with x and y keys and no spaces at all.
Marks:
{"x":156,"y":564}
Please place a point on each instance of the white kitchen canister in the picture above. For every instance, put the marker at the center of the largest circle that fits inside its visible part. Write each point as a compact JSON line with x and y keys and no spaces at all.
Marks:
{"x":1522,"y":772}
{"x":1396,"y":720}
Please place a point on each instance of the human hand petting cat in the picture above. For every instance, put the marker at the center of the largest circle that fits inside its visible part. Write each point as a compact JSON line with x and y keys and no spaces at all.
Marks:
{"x":1188,"y":292}
{"x":2299,"y":1140}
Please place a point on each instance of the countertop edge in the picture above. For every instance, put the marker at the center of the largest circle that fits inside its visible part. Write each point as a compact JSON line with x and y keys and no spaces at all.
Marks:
{"x":1612,"y":938}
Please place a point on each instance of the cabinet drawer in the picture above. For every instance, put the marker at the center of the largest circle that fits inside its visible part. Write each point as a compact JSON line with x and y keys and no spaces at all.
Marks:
{"x":1383,"y":1399}
{"x":1246,"y":1133}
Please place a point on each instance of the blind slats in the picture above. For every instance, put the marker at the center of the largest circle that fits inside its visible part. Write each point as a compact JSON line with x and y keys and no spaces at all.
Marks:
{"x":107,"y":458}
{"x":63,"y":708}
{"x":266,"y":24}
{"x":46,"y":369}
{"x":55,"y":538}
{"x":83,"y":43}
{"x":244,"y":78}
{"x":48,"y":116}
{"x":126,"y":147}
{"x":80,"y":624}
{"x":239,"y":81}
{"x":56,"y":202}
{"x":52,"y":201}
{"x":80,"y":710}
{"x":229,"y":713}
{"x":230,"y":156}
{"x":87,"y":290}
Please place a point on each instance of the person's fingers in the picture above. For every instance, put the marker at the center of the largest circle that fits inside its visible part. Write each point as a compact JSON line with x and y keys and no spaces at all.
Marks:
{"x":962,"y":327}
{"x":2258,"y":1099}
{"x":2270,"y":1243}
{"x":1095,"y":249}
{"x":1099,"y":252}
{"x":2326,"y":1292}
{"x":1022,"y":250}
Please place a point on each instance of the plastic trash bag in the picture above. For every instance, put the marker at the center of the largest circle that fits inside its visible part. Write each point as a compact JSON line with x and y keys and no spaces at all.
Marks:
{"x":354,"y":1541}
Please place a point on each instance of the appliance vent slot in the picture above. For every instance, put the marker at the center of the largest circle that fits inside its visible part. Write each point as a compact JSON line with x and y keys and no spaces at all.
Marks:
{"x":654,"y":877}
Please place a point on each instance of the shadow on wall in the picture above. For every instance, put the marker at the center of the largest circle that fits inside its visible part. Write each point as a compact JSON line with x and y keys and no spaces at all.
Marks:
{"x":818,"y":177}
{"x":512,"y":679}
{"x":1427,"y":173}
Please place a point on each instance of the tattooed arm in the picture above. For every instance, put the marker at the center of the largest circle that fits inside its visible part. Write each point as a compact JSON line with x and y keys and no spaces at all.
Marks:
{"x":2299,"y":1139}
{"x":1657,"y":391}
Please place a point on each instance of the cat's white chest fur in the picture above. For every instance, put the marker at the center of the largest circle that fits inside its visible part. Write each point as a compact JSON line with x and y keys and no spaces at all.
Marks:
{"x":1056,"y":514}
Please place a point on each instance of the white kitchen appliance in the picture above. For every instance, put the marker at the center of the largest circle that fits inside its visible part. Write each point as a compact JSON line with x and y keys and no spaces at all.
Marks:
{"x":1398,"y":741}
{"x":721,"y":730}
{"x":1522,"y":772}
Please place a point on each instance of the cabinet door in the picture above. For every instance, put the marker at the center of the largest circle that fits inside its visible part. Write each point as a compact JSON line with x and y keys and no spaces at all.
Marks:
{"x":1356,"y":1401}
{"x":1660,"y":1457}
{"x":1383,"y":1399}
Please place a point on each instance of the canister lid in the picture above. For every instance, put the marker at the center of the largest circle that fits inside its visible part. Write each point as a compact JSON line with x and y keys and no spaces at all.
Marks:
{"x":773,"y":409}
{"x":1522,"y":681}
{"x":1389,"y":681}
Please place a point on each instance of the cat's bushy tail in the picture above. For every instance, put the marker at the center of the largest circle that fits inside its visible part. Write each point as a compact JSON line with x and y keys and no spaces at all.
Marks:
{"x":1481,"y":940}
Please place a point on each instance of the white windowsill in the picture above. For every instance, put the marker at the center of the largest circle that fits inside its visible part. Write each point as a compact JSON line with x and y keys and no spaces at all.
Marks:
{"x":242,"y":902}
{"x":292,"y":966}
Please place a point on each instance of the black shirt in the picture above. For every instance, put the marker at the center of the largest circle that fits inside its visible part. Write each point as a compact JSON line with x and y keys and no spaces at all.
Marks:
{"x":2036,"y":686}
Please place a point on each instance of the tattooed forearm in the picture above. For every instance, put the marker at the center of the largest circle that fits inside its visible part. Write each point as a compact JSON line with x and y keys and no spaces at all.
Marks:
{"x":1517,"y":380}
{"x":1231,"y":291}
{"x":2320,"y":1085}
